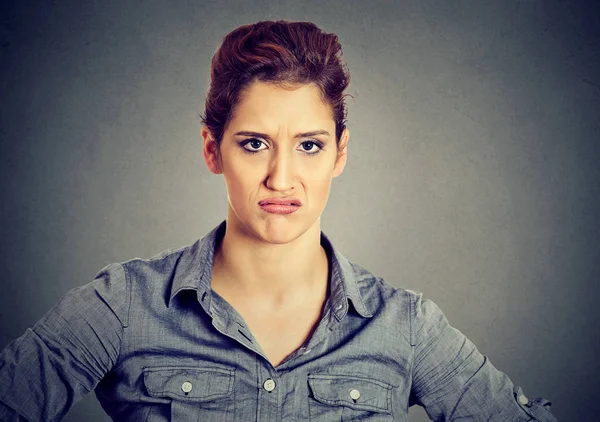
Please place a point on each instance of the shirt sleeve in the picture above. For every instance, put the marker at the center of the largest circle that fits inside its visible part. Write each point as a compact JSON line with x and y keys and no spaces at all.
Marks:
{"x":51,"y":366}
{"x":452,"y":380}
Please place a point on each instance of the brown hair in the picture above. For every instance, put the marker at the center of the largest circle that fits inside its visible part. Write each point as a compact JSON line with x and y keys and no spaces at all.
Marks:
{"x":281,"y":52}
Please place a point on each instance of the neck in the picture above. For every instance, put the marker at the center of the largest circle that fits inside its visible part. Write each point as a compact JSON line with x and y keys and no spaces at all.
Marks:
{"x":279,"y":273}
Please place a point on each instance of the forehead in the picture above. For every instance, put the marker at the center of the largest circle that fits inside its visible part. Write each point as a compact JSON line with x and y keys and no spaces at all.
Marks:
{"x":269,"y":105}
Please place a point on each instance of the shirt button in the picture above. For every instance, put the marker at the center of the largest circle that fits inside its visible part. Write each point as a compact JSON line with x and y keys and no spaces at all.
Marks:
{"x":523,"y":399}
{"x":186,"y":387}
{"x":269,"y":385}
{"x":354,"y":394}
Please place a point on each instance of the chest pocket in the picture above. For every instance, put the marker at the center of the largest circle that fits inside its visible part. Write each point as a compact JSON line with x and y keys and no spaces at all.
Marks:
{"x":190,"y":393}
{"x":349,"y":398}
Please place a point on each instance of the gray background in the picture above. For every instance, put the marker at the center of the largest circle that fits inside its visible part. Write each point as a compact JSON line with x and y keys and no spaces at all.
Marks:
{"x":472,"y":173}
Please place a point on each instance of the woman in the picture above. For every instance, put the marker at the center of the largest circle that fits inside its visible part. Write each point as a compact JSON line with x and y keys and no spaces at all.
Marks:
{"x":261,"y":319}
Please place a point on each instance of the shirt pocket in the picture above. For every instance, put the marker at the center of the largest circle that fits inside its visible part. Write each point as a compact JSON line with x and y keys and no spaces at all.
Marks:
{"x":191,"y":393}
{"x":349,"y":398}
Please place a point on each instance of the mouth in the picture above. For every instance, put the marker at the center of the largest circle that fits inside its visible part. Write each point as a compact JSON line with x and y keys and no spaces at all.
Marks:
{"x":280,"y":205}
{"x":279,"y":208}
{"x":273,"y":201}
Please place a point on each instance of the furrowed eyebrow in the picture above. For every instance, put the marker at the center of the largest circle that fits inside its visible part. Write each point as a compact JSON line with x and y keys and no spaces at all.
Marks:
{"x":296,"y":136}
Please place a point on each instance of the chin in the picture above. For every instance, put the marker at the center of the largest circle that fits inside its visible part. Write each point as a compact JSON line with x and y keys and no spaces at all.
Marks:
{"x":274,"y":228}
{"x":280,"y":229}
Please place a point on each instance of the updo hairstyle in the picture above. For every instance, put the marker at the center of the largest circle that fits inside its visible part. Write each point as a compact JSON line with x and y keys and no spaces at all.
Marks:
{"x":285,"y":53}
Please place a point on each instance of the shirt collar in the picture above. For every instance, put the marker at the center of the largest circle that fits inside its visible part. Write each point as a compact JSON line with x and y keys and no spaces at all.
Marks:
{"x":194,"y":272}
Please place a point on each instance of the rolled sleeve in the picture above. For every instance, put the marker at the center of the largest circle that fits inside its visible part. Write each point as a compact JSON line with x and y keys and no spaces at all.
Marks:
{"x":452,"y":380}
{"x":62,"y":358}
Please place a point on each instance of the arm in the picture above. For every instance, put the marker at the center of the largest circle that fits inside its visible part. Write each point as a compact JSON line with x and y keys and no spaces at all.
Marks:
{"x":452,"y":380}
{"x":8,"y":414}
{"x":51,"y":366}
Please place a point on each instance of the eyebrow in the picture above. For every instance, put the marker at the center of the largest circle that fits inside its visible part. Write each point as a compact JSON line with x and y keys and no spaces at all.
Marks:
{"x":296,"y":136}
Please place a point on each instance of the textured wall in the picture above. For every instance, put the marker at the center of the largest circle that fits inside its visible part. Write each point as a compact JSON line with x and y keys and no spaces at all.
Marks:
{"x":472,"y":174}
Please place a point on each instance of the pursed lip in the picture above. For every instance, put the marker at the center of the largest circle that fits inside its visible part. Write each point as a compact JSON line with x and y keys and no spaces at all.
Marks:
{"x":280,"y":201}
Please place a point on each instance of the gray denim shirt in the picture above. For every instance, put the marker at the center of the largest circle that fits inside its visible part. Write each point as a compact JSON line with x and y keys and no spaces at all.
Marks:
{"x":157,"y":344}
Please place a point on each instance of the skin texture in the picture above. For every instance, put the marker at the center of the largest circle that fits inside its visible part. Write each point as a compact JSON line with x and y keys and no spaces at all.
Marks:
{"x":276,"y":260}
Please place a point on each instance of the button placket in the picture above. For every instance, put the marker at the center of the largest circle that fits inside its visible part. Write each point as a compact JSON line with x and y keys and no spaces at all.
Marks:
{"x":269,"y":394}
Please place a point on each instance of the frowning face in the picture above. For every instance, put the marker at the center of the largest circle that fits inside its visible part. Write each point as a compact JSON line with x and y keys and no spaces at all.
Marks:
{"x":280,"y":143}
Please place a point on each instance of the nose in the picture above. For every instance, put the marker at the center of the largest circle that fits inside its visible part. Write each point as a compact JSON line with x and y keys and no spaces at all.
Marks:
{"x":281,"y":171}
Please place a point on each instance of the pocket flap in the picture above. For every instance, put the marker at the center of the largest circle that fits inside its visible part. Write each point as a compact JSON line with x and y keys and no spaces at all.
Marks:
{"x":538,"y":409}
{"x":350,"y":391}
{"x":189,"y":383}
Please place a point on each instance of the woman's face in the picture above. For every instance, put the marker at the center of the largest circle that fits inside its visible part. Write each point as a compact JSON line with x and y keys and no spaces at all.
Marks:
{"x":280,"y":143}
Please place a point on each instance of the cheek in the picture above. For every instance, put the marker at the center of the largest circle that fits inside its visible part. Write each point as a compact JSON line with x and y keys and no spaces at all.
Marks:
{"x":243,"y":185}
{"x":318,"y":173}
{"x":319,"y":185}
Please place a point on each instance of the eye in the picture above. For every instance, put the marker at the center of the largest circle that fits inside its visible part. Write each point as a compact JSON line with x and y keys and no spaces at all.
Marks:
{"x":310,"y":144}
{"x":254,"y":143}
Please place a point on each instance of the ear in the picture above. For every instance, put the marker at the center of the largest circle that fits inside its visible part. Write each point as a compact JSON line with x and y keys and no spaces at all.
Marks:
{"x":212,"y":156}
{"x":342,"y":154}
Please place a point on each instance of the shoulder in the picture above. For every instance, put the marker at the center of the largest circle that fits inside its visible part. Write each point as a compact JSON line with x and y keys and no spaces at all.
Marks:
{"x":422,"y":313}
{"x":158,"y":266}
{"x":377,"y":292}
{"x":151,"y":279}
{"x":115,"y":284}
